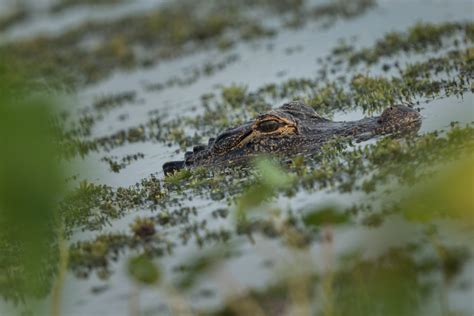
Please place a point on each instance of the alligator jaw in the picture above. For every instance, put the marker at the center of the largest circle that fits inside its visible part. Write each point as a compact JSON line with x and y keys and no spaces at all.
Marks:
{"x":172,"y":166}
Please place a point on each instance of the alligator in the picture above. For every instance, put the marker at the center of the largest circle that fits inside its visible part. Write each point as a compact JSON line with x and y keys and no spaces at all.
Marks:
{"x":292,"y":129}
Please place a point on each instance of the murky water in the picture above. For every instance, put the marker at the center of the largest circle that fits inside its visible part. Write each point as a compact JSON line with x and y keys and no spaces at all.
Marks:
{"x":257,"y":65}
{"x":44,"y":22}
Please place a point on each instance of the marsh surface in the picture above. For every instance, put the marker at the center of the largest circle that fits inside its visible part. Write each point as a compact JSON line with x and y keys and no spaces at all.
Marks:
{"x":143,"y":81}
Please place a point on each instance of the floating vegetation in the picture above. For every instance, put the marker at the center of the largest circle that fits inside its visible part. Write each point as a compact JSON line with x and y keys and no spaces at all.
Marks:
{"x":408,"y":162}
{"x":418,"y":39}
{"x":117,"y":165}
{"x":208,"y":69}
{"x":143,"y":228}
{"x":112,"y":101}
{"x":91,"y":51}
{"x":19,"y":14}
{"x":436,"y":77}
{"x":61,"y":5}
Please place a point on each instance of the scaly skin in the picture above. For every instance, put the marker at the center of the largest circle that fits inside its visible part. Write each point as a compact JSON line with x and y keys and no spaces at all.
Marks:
{"x":292,"y":129}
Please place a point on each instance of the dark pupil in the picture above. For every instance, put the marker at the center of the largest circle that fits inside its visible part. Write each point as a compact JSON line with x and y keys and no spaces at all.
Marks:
{"x":268,"y":126}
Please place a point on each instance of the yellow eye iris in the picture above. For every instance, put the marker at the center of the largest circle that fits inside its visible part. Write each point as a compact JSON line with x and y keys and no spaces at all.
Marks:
{"x":268,"y":126}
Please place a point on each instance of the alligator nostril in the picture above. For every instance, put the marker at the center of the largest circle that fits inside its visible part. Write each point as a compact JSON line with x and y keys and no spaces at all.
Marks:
{"x":188,"y":155}
{"x":199,"y":148}
{"x":211,"y":141}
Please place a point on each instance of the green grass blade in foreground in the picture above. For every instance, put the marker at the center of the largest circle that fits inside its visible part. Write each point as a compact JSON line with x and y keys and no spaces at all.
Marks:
{"x":31,"y":184}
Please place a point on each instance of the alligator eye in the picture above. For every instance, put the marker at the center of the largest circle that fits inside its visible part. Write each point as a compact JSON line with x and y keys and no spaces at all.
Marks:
{"x":268,"y":126}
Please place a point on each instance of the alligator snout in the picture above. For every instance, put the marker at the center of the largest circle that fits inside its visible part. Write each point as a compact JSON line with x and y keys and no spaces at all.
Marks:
{"x":173,"y":166}
{"x":231,"y":137}
{"x":399,"y":118}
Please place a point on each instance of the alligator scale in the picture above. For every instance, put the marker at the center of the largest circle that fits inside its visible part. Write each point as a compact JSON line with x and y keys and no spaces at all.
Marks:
{"x":292,"y":129}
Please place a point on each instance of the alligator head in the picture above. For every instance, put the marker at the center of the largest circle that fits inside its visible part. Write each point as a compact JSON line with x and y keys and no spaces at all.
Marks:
{"x":291,"y":129}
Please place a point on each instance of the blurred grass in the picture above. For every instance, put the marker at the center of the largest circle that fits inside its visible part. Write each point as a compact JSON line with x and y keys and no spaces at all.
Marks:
{"x":413,"y":278}
{"x":31,"y":184}
{"x":449,"y":195}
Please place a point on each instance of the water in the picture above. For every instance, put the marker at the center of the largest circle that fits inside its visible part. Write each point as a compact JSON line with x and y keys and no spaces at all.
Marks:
{"x":257,"y":65}
{"x":44,"y":22}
